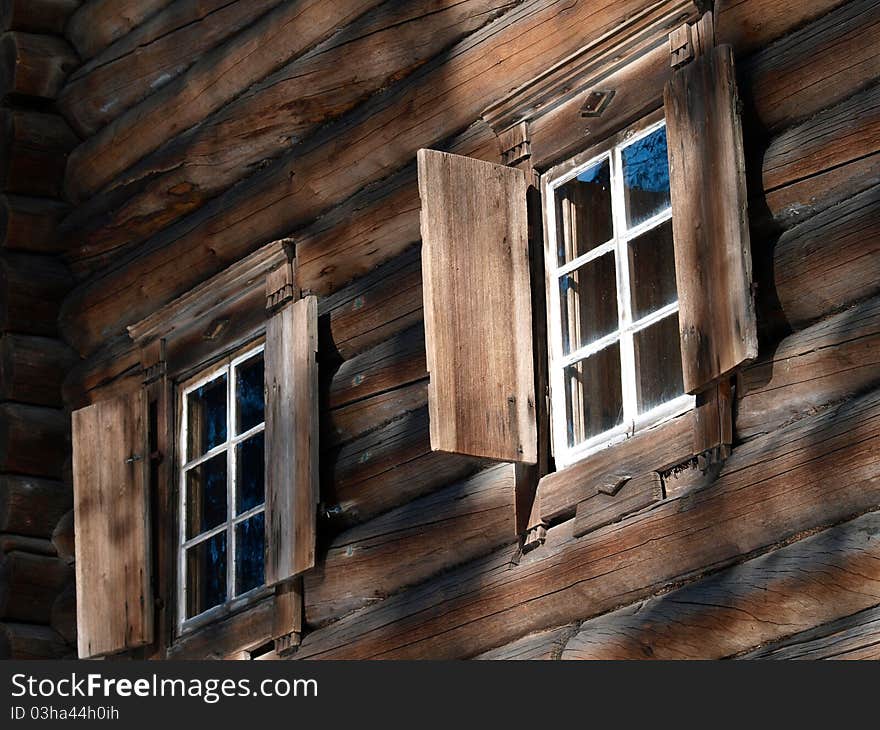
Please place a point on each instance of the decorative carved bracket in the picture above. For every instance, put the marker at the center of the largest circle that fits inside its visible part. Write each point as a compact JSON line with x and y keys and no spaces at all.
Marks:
{"x":691,"y":40}
{"x":154,"y":361}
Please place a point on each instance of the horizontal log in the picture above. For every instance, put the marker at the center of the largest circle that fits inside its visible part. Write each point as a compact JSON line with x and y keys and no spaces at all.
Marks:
{"x":814,"y":473}
{"x":98,"y":23}
{"x":34,"y":441}
{"x":64,"y":538}
{"x":31,"y":506}
{"x":36,"y":16}
{"x":33,"y":368}
{"x":31,"y":224}
{"x":31,"y":291}
{"x":63,"y":615}
{"x":226,"y":637}
{"x":829,"y":361}
{"x":34,"y":151}
{"x":813,"y":581}
{"x":544,"y":645}
{"x":344,"y":424}
{"x":149,"y":56}
{"x":367,"y":563}
{"x":29,"y":585}
{"x":290,"y":104}
{"x":34,"y":65}
{"x":26,"y":641}
{"x":852,"y":637}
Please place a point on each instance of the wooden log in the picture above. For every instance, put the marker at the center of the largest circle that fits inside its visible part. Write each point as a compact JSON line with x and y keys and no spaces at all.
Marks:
{"x":34,"y":440}
{"x":815,"y":580}
{"x":816,"y":472}
{"x":36,"y":16}
{"x":31,"y":291}
{"x":544,"y":645}
{"x":64,"y":538}
{"x":29,"y":585}
{"x":627,"y":495}
{"x":34,"y":65}
{"x":151,"y":55}
{"x":31,"y":224}
{"x":63,"y":615}
{"x":852,"y":637}
{"x":367,"y":563}
{"x":34,"y":152}
{"x":224,"y":638}
{"x":829,"y":361}
{"x":33,"y":368}
{"x":26,"y":641}
{"x":25,"y":544}
{"x":31,"y":506}
{"x":98,"y":23}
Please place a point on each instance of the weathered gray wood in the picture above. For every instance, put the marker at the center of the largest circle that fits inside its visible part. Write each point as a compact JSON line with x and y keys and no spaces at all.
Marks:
{"x":367,"y":563}
{"x":29,"y":585}
{"x":34,"y":65}
{"x":36,"y":16}
{"x":33,"y":368}
{"x":26,"y":641}
{"x":31,"y":290}
{"x":544,"y":645}
{"x":98,"y":23}
{"x":478,"y":310}
{"x":292,"y":427}
{"x":610,"y":505}
{"x":810,"y":582}
{"x":31,"y":224}
{"x":113,"y":555}
{"x":713,"y":263}
{"x":32,"y":506}
{"x":34,"y":440}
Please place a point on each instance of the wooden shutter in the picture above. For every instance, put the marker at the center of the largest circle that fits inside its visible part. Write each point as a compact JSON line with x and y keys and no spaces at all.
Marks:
{"x":114,"y":608}
{"x":478,"y":318}
{"x":291,"y":438}
{"x":709,"y":216}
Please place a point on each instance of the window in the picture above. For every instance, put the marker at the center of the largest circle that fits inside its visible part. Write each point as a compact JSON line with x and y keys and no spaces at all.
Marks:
{"x":222,"y":487}
{"x":615,"y":357}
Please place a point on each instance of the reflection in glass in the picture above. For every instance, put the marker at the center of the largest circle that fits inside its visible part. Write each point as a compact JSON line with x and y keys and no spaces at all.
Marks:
{"x":589,"y":303}
{"x":206,"y":496}
{"x":652,"y":270}
{"x":594,"y":401}
{"x":250,"y":473}
{"x":583,"y":212}
{"x":645,"y":177}
{"x":658,"y":364}
{"x":249,"y":399}
{"x":206,"y":417}
{"x":249,"y":559}
{"x":206,"y":575}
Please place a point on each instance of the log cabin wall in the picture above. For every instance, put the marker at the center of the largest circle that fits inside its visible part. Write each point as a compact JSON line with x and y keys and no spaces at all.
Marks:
{"x":210,"y":128}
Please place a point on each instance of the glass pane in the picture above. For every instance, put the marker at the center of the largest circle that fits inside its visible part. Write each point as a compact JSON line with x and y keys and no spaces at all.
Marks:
{"x":206,"y":415}
{"x":646,"y":177}
{"x":583,"y":212}
{"x":249,"y":542}
{"x":589,"y":303}
{"x":594,"y":402}
{"x":206,"y":496}
{"x":206,"y":575}
{"x":250,"y":463}
{"x":658,"y":364}
{"x":652,"y":270}
{"x":249,"y":397}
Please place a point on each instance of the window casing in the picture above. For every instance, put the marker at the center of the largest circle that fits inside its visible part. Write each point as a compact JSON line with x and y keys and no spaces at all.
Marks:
{"x":615,"y":362}
{"x":221,"y":533}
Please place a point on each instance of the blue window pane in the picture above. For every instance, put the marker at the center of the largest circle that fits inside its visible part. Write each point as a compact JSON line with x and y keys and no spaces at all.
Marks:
{"x":646,"y":177}
{"x":249,"y":394}
{"x":206,"y":496}
{"x":206,"y":575}
{"x":583,"y":212}
{"x":250,"y":539}
{"x":250,"y":473}
{"x":206,"y":417}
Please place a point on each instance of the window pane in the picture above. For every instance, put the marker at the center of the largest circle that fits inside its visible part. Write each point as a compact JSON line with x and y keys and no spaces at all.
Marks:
{"x":206,"y":575}
{"x":646,"y":177}
{"x":206,"y":418}
{"x":249,"y":397}
{"x":249,"y":473}
{"x":589,"y":303}
{"x":206,"y":496}
{"x":583,"y":212}
{"x":658,"y":364}
{"x":594,"y":401}
{"x":652,"y":270}
{"x":249,"y":542}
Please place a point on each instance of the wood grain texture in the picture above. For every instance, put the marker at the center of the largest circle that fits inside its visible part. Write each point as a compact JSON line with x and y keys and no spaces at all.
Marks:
{"x":603,"y":508}
{"x":713,"y":262}
{"x":98,"y":23}
{"x":34,"y":65}
{"x":810,"y":582}
{"x":111,"y":507}
{"x":478,"y":310}
{"x":36,"y":16}
{"x":34,"y":152}
{"x":544,"y":645}
{"x":292,"y":477}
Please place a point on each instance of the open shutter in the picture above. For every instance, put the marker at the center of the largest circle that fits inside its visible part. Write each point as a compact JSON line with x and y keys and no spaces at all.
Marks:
{"x":478,"y":318}
{"x":114,"y":608}
{"x":710,"y":222}
{"x":291,"y":436}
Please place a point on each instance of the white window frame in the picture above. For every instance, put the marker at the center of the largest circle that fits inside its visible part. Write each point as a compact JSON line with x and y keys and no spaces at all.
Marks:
{"x":233,"y":603}
{"x":632,"y":422}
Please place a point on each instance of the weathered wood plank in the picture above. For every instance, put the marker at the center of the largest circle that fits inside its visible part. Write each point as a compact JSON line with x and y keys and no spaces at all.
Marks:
{"x":32,"y":506}
{"x":34,"y":441}
{"x":98,"y":23}
{"x":26,"y":641}
{"x":34,"y":65}
{"x":31,"y":291}
{"x":815,"y":580}
{"x":33,"y":368}
{"x":29,"y":585}
{"x":605,"y":507}
{"x":36,"y":16}
{"x":367,"y":563}
{"x":31,"y":224}
{"x":224,"y":638}
{"x":816,"y":472}
{"x":346,"y":423}
{"x":544,"y":645}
